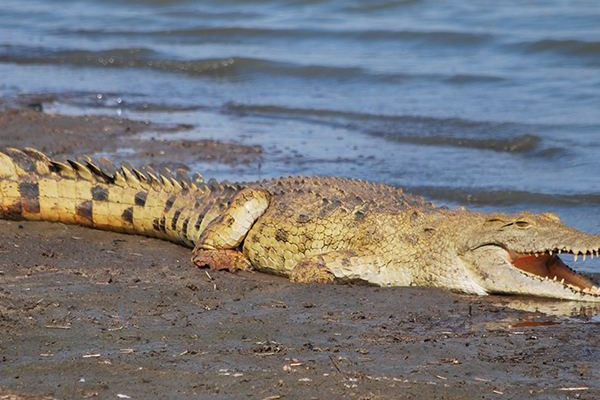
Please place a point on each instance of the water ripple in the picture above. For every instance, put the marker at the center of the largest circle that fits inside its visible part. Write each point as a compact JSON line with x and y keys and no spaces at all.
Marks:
{"x":233,"y":67}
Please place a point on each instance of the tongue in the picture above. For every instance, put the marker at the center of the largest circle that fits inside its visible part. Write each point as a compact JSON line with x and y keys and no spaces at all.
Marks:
{"x":550,"y":267}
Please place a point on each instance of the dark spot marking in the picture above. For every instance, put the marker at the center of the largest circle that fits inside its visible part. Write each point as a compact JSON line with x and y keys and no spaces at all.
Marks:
{"x":99,"y":193}
{"x":302,"y":218}
{"x":184,"y":227}
{"x":156,"y":224}
{"x":128,"y":215}
{"x":414,"y":216}
{"x":174,"y":220}
{"x":140,"y":199}
{"x":169,"y":203}
{"x":281,"y":235}
{"x":84,"y":210}
{"x":358,"y":215}
{"x":30,"y":197}
{"x":198,"y":222}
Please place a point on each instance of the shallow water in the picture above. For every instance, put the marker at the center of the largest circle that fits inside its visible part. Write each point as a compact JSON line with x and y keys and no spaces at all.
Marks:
{"x":495,"y":106}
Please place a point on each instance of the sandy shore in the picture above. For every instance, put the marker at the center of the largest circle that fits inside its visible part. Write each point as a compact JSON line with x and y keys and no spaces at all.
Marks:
{"x":91,"y":314}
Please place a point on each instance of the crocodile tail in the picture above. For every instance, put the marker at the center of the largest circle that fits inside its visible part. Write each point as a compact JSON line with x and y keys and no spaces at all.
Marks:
{"x":35,"y":187}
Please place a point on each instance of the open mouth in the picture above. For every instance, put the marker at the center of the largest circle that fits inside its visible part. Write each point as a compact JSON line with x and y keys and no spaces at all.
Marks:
{"x":548,"y":265}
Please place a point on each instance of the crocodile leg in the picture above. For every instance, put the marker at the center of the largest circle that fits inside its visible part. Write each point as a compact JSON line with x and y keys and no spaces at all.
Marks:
{"x":343,"y":265}
{"x":217,"y":246}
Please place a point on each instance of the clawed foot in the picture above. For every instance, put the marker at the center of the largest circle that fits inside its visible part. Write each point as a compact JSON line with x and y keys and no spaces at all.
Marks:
{"x":218,"y":260}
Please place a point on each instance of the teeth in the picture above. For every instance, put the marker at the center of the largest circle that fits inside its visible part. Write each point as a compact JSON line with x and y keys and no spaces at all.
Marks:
{"x":562,"y":280}
{"x":575,"y":258}
{"x":584,"y":256}
{"x":554,"y":279}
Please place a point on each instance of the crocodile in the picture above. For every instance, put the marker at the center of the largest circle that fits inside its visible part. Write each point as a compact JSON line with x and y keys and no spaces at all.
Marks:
{"x":309,"y":229}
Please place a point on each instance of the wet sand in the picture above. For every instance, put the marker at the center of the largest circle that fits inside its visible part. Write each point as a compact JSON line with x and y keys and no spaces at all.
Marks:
{"x":92,"y":314}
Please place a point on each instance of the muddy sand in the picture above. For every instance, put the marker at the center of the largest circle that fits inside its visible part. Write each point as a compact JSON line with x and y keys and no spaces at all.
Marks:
{"x":91,"y":314}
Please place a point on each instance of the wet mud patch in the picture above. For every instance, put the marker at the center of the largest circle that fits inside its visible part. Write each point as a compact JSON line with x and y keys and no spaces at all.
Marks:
{"x":162,"y":153}
{"x":24,"y":123}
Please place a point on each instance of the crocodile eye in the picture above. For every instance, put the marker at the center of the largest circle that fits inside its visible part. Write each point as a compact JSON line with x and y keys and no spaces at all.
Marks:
{"x":522,"y":224}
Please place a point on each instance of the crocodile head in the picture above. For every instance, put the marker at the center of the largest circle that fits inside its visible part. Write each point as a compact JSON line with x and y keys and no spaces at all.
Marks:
{"x":521,"y":254}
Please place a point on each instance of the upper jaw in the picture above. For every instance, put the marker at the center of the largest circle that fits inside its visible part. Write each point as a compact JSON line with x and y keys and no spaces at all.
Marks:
{"x":576,"y":252}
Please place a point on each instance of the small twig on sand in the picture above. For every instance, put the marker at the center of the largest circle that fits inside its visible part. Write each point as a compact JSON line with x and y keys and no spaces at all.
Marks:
{"x":336,"y":366}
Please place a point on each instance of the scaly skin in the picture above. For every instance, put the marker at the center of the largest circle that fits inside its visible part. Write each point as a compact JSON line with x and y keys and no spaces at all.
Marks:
{"x":310,"y":229}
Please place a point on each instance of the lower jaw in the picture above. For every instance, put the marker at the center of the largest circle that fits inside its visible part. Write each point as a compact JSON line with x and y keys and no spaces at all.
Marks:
{"x":552,"y":267}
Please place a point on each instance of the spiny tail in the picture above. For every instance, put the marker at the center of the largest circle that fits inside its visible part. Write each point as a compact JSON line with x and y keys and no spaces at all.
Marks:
{"x":35,"y":187}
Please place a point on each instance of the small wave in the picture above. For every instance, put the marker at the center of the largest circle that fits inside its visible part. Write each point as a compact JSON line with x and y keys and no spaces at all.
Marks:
{"x":127,"y":58}
{"x":417,"y":122}
{"x":237,"y":33}
{"x":238,"y":67}
{"x":374,"y":6}
{"x":503,"y":197}
{"x":275,"y":111}
{"x":568,"y":47}
{"x":430,"y":131}
{"x":518,"y":144}
{"x":106,"y":100}
{"x":463,"y":79}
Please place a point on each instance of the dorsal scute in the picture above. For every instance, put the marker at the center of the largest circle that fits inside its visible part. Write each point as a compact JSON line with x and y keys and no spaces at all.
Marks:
{"x":81,"y":170}
{"x":7,"y":167}
{"x":24,"y":164}
{"x":62,"y":169}
{"x":29,"y":161}
{"x":166,"y":182}
{"x":140,"y":175}
{"x":42,"y":161}
{"x":176,"y":184}
{"x":107,"y":166}
{"x":130,"y":178}
{"x":152,"y":177}
{"x":99,"y":173}
{"x":183,"y":178}
{"x":197,"y":179}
